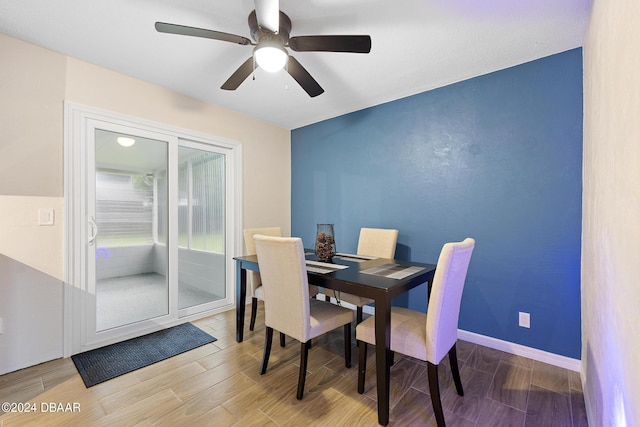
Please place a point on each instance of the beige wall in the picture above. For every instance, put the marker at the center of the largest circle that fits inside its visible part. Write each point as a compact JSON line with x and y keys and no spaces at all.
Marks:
{"x":23,"y":239}
{"x":611,"y":215}
{"x":31,"y":89}
{"x":34,"y":84}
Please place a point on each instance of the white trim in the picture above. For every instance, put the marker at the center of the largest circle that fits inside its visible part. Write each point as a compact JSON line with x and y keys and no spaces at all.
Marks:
{"x":506,"y":346}
{"x":171,"y":231}
{"x":521,"y":350}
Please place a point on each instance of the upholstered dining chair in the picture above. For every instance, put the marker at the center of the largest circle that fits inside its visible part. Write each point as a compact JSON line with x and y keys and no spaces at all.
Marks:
{"x":373,"y":242}
{"x":288,"y":308}
{"x":428,"y":336}
{"x":253,"y":277}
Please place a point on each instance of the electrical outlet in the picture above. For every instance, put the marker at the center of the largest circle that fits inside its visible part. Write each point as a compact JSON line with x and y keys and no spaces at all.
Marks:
{"x":524,"y":319}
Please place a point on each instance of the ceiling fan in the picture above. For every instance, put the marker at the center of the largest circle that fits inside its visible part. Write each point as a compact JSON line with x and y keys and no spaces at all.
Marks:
{"x":270,"y":29}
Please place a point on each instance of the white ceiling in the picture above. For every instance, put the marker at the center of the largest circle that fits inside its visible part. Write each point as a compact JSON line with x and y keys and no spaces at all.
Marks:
{"x":417,"y":45}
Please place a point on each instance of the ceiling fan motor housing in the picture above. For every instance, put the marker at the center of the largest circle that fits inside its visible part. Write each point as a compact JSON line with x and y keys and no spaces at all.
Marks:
{"x":283,"y":33}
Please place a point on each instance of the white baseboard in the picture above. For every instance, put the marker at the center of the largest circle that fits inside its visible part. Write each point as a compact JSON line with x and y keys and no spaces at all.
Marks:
{"x":521,"y":350}
{"x":506,"y":346}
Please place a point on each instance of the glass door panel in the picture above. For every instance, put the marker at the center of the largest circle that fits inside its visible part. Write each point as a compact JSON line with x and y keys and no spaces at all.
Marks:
{"x":131,"y":258}
{"x":201,"y":227}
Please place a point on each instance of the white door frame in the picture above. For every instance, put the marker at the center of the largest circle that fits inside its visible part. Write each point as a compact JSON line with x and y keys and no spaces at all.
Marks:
{"x":78,"y":133}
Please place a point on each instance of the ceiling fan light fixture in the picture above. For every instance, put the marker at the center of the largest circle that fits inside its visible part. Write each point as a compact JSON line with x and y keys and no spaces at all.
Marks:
{"x":270,"y":55}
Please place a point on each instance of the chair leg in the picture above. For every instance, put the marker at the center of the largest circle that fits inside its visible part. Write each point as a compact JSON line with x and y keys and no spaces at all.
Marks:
{"x":358,"y":315}
{"x":434,"y":390}
{"x":254,"y":312}
{"x":347,"y":345}
{"x":362,"y":364}
{"x":281,"y":339}
{"x":304,"y":356}
{"x":453,"y":361}
{"x":268,"y":336}
{"x":392,"y":358}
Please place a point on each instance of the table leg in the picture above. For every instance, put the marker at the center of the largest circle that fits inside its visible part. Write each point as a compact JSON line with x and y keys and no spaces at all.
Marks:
{"x":241,"y":296}
{"x":383,"y":350}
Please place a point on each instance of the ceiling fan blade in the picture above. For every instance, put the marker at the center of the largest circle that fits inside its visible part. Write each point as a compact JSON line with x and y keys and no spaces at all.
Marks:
{"x":304,"y":79}
{"x":268,"y":14}
{"x":239,"y":75}
{"x":183,"y":30}
{"x":353,"y":44}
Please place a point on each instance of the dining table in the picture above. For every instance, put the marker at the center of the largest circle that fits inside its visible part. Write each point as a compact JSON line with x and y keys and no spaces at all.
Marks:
{"x":379,"y":279}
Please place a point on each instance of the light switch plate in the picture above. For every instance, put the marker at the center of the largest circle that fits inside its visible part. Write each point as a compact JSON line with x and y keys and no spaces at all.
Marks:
{"x":46,"y":216}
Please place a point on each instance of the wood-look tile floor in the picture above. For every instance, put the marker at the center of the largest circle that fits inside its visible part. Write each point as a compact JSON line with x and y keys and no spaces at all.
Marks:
{"x":219,"y":385}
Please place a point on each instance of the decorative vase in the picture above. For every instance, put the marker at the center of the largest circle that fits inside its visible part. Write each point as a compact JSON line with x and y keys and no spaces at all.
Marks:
{"x":325,"y":243}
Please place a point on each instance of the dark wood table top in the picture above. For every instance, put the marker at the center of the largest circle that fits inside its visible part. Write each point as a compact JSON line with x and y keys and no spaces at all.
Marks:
{"x":353,"y":280}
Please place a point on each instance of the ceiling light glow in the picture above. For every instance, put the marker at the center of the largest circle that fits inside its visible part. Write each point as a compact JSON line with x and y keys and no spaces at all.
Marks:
{"x":125,"y":141}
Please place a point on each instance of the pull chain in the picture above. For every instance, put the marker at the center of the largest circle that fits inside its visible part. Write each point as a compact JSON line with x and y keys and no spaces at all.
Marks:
{"x":286,"y":80}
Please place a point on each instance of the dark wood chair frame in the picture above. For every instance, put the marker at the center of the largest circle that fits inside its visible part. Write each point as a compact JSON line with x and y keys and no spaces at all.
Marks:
{"x":432,"y":374}
{"x":304,"y":355}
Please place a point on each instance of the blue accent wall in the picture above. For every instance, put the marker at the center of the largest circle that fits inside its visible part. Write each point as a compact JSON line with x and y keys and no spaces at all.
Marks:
{"x":497,"y":158}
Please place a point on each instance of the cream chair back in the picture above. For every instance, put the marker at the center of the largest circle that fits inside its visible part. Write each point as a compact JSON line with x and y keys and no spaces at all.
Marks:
{"x":377,"y":242}
{"x":253,"y":278}
{"x":265,"y":231}
{"x":286,"y":287}
{"x":446,"y":294}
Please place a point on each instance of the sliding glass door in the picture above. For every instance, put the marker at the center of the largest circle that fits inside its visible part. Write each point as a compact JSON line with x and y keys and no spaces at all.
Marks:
{"x":151,"y":228}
